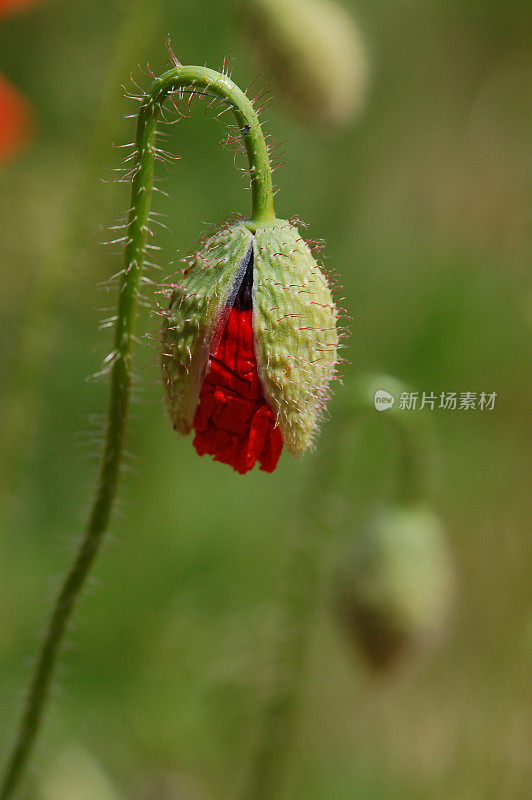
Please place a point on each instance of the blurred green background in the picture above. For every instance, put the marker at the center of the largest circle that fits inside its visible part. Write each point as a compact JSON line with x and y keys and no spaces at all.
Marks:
{"x":423,"y":204}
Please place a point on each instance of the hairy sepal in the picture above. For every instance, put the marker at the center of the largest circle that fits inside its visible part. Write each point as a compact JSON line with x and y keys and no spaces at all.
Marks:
{"x":196,"y":316}
{"x":296,"y":338}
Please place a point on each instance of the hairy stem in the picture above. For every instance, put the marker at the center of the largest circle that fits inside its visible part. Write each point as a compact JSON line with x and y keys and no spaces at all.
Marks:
{"x":21,"y":407}
{"x":120,"y":361}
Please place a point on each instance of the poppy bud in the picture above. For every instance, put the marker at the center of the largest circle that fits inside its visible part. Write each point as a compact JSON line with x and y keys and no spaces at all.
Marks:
{"x":394,"y":586}
{"x":315,"y":53}
{"x":249,"y":345}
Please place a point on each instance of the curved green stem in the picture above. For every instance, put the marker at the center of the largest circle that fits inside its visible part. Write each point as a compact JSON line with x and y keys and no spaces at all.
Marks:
{"x":311,"y":539}
{"x":121,"y":361}
{"x":214,"y":83}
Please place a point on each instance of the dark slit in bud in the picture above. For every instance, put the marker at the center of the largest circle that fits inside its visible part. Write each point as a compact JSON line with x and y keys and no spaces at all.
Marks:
{"x":244,"y":299}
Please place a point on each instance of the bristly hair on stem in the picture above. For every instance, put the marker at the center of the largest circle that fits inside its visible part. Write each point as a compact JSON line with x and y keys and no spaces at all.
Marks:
{"x":180,"y":81}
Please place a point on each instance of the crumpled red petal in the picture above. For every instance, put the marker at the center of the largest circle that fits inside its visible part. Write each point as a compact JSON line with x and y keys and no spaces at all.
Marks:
{"x":233,"y":422}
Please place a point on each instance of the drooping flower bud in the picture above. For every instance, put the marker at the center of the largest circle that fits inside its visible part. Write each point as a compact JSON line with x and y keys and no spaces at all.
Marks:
{"x":315,"y":52}
{"x":249,"y":345}
{"x":394,"y":586}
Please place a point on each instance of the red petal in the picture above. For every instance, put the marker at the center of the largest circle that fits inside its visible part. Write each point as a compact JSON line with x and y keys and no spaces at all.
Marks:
{"x":233,"y":422}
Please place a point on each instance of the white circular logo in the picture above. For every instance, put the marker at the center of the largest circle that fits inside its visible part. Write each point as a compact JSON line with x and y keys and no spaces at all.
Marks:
{"x":383,"y":400}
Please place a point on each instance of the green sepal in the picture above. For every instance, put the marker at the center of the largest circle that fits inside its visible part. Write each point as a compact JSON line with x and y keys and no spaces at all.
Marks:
{"x":296,"y":340}
{"x":195,"y":316}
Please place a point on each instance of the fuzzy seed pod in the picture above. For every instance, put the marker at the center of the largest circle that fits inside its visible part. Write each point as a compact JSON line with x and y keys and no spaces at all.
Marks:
{"x":249,"y":345}
{"x":393,"y":589}
{"x":315,"y":53}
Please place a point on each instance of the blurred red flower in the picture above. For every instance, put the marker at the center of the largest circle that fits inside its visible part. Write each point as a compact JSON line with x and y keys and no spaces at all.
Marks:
{"x":9,"y":6}
{"x":15,"y":111}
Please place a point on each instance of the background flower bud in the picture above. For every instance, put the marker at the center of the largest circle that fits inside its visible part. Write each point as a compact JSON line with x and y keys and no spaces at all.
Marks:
{"x":394,"y":585}
{"x":315,"y":53}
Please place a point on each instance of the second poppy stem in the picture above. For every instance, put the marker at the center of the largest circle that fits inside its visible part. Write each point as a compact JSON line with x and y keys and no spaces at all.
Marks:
{"x":311,"y":543}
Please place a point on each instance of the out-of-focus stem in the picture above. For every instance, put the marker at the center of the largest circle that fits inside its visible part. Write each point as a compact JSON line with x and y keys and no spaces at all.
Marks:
{"x":311,"y":539}
{"x":412,"y":434}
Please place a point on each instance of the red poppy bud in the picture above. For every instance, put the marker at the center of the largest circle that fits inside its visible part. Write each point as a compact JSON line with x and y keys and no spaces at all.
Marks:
{"x":249,"y":345}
